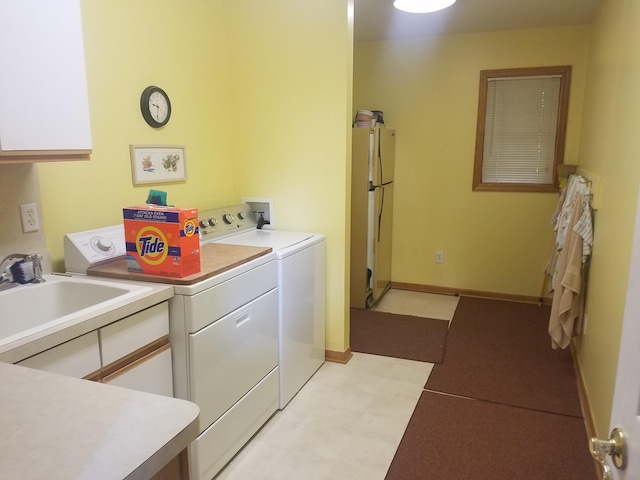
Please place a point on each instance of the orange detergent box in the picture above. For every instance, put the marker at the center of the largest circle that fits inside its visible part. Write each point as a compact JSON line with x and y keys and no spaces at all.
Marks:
{"x":162,"y":240}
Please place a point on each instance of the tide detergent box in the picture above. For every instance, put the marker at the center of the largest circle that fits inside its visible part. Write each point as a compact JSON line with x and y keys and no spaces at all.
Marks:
{"x":162,"y":240}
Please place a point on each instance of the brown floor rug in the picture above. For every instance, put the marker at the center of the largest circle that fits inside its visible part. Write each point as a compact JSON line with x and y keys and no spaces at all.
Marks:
{"x":501,"y":352}
{"x":452,"y":438}
{"x":400,"y":336}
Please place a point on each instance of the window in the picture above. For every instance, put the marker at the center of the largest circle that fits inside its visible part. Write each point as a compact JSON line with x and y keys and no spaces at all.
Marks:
{"x":522,"y":120}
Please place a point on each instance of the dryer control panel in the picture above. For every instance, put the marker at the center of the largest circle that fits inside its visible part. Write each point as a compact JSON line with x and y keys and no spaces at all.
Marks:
{"x":220,"y":222}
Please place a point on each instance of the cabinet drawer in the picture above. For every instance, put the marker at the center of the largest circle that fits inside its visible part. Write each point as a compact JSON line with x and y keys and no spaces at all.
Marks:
{"x":232,"y":355}
{"x":151,"y":374}
{"x":78,"y":358}
{"x":134,"y":332}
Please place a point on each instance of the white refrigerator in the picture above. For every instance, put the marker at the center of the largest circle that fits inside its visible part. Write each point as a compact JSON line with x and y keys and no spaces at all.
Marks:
{"x":373,"y":159}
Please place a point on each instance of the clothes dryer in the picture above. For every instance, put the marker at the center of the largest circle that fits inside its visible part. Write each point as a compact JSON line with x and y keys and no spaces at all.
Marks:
{"x":301,"y":259}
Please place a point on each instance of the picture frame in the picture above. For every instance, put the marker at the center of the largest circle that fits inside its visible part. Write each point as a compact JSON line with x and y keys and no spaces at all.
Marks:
{"x":158,"y":163}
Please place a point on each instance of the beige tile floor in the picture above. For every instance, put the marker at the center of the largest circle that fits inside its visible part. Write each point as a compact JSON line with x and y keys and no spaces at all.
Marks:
{"x":405,"y":302}
{"x":347,"y":421}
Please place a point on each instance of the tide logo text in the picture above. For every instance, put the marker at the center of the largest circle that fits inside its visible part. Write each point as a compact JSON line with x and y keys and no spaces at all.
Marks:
{"x":151,"y":245}
{"x":190,"y":228}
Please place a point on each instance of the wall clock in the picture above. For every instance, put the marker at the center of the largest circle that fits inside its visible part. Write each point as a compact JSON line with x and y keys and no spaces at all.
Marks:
{"x":155,"y":106}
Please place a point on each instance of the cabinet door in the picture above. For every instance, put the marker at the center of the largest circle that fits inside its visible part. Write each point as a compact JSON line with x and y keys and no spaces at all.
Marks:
{"x":44,"y":107}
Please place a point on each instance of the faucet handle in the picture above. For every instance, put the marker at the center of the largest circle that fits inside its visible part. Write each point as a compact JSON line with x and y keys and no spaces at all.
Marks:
{"x":35,"y":259}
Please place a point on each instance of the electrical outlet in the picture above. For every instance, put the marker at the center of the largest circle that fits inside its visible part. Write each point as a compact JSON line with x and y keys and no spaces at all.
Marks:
{"x":29,"y":216}
{"x":439,"y":257}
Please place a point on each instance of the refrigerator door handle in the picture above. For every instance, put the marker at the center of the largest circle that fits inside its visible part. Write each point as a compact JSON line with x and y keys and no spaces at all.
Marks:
{"x":380,"y":212}
{"x":379,"y":155}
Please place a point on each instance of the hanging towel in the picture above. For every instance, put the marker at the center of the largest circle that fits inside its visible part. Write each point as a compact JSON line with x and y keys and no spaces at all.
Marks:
{"x":584,"y":228}
{"x":567,"y":306}
{"x":552,"y":262}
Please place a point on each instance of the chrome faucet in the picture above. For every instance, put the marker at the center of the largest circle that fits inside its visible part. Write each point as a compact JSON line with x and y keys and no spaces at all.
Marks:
{"x":37,"y":268}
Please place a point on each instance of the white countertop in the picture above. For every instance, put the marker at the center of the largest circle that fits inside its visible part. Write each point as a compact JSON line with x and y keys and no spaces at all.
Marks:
{"x":58,"y":427}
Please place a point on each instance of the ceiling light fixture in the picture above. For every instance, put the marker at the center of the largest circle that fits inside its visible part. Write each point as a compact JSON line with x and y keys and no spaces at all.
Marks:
{"x":422,"y":6}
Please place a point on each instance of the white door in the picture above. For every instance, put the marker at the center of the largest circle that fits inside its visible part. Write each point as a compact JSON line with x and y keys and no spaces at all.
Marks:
{"x":625,"y":413}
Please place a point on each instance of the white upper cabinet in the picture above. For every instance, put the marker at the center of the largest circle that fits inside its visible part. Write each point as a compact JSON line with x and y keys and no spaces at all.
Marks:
{"x":44,"y":105}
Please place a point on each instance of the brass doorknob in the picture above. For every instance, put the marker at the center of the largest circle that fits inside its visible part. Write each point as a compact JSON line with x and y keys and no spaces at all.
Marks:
{"x":615,"y":446}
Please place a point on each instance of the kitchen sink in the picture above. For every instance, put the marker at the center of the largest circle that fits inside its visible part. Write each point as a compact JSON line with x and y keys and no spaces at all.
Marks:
{"x":31,"y":308}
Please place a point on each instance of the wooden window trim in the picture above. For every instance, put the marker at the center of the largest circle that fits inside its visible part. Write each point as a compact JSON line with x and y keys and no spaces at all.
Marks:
{"x":561,"y":129}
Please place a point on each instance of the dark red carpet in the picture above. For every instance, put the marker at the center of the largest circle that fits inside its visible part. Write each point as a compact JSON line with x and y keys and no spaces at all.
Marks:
{"x":501,"y":352}
{"x":451,"y":438}
{"x":400,"y":336}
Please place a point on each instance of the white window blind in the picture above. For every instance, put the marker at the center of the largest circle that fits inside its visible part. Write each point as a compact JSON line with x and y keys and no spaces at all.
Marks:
{"x":520,"y":129}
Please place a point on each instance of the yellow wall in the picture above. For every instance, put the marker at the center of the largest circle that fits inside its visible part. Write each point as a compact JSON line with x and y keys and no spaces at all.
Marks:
{"x":609,"y":148}
{"x":181,"y":47}
{"x":261,"y":97}
{"x":291,"y":90}
{"x":428,"y":90}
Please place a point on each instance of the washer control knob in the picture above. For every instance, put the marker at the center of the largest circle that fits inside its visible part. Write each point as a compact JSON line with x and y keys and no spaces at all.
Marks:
{"x":103,"y":244}
{"x":228,"y":218}
{"x":240,"y":216}
{"x":202,"y":224}
{"x":212,"y":222}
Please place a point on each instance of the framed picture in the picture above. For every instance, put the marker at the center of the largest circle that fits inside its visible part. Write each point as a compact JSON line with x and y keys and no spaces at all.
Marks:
{"x":158,"y":163}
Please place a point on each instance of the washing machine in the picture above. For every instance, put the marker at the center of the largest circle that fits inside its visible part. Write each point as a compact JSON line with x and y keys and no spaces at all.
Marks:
{"x":300,"y":259}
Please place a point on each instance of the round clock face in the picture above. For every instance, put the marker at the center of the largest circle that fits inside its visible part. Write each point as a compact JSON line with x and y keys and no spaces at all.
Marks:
{"x":155,"y":106}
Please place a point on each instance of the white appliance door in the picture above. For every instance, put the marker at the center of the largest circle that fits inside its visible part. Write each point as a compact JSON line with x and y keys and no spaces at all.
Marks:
{"x":372,"y":152}
{"x":382,"y":243}
{"x":230,"y":356}
{"x":384,"y":155}
{"x":302,"y":318}
{"x":372,"y":219}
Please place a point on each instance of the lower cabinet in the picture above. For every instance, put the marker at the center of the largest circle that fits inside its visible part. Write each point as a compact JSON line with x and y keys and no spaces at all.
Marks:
{"x":136,"y":352}
{"x":133,"y":352}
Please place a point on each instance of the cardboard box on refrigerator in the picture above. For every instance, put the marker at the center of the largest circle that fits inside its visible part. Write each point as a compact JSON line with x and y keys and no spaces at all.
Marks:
{"x":162,"y":240}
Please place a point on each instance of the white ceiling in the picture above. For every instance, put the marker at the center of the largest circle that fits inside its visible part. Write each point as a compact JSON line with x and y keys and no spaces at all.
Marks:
{"x":378,"y":20}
